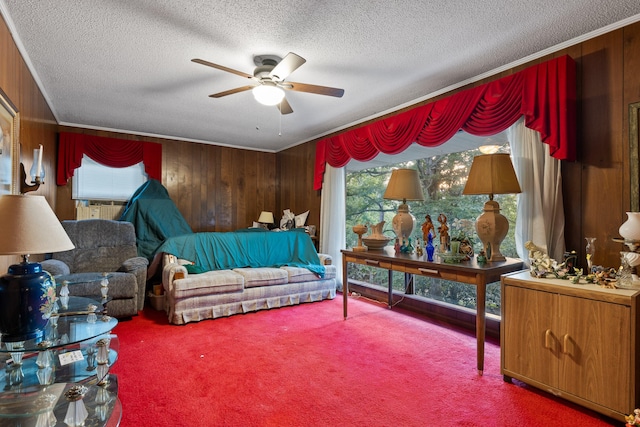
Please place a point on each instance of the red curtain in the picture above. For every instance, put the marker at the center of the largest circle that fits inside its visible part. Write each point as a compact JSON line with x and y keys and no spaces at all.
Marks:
{"x":545,"y":94}
{"x":116,"y":153}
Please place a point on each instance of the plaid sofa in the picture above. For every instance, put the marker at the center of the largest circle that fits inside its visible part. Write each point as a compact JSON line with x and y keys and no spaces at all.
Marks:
{"x":193,"y":297}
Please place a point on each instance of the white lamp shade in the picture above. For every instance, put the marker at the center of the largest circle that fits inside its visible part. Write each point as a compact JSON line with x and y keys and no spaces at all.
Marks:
{"x":492,"y":174}
{"x":29,"y":226}
{"x":404,"y":184}
{"x":266,"y":217}
{"x":268,"y":93}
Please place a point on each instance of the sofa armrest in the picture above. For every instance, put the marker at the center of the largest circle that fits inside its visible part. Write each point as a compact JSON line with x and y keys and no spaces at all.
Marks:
{"x":138,"y":267}
{"x":55,"y":267}
{"x":325,"y":259}
{"x":171,"y":272}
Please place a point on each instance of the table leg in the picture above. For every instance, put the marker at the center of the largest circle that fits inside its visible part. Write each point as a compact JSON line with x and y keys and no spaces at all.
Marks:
{"x":481,"y":291}
{"x":345,"y":287}
{"x":390,"y":292}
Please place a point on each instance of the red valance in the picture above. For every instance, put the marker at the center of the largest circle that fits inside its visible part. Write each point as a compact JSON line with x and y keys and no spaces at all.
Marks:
{"x":116,"y":153}
{"x":545,"y":94}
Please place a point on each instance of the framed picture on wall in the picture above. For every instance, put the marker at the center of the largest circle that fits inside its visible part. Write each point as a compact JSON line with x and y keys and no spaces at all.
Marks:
{"x":9,"y":155}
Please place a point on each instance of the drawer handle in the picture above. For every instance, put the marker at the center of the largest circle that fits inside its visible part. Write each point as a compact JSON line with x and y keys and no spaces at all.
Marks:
{"x":565,"y":343}
{"x":427,"y":271}
{"x":371,"y":262}
{"x":548,"y":338}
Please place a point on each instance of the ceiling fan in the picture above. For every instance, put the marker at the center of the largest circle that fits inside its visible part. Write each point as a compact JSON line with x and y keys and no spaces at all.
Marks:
{"x":268,"y":80}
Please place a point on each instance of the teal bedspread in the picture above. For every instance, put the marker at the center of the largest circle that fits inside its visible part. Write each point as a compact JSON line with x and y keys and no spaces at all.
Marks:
{"x":247,"y":248}
{"x":154,"y":216}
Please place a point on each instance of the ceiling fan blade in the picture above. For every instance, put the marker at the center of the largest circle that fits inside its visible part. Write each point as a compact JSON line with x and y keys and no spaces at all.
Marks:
{"x":231,"y":91}
{"x":284,"y":107}
{"x":221,"y":67}
{"x":288,"y":65}
{"x":320,"y":90}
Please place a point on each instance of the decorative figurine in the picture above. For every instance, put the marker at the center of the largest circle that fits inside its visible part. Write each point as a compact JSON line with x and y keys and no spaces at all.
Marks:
{"x":570,"y":262}
{"x":427,"y":227}
{"x":396,"y":246}
{"x":590,"y":249}
{"x":419,"y":250}
{"x":406,"y":247}
{"x":444,"y":233}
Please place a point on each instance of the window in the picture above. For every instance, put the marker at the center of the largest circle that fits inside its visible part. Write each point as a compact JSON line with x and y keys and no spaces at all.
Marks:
{"x":94,"y":181}
{"x":443,"y":171}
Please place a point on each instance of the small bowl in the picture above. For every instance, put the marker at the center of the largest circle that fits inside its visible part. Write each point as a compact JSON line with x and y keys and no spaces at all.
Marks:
{"x":376,"y":243}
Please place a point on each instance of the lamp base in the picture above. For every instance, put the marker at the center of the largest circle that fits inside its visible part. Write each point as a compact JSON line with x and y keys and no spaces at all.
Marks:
{"x":403,"y":222}
{"x":27,"y":298}
{"x":492,"y":228}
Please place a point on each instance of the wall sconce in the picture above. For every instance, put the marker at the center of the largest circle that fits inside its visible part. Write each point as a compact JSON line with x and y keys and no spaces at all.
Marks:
{"x":36,"y":173}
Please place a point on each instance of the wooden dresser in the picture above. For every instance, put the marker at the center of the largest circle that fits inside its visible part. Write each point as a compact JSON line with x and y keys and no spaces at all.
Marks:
{"x":579,"y":342}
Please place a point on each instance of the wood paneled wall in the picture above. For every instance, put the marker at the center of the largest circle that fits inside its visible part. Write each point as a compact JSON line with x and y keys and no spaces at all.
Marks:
{"x":221,"y":189}
{"x":37,"y":123}
{"x":295,"y":183}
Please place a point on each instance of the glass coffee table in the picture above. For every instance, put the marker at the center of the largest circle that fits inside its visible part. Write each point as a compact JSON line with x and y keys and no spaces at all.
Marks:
{"x":65,"y":374}
{"x":84,"y":284}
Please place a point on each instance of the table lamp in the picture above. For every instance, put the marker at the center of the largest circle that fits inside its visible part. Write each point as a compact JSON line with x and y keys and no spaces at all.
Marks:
{"x":27,"y":293}
{"x":492,"y":174}
{"x":265,"y":219}
{"x":404,"y":185}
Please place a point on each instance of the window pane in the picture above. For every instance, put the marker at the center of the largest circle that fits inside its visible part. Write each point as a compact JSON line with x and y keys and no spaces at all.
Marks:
{"x":93,"y":181}
{"x":443,"y":177}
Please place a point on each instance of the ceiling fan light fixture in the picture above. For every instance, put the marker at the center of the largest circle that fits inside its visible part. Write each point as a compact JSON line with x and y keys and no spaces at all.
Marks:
{"x":268,"y":93}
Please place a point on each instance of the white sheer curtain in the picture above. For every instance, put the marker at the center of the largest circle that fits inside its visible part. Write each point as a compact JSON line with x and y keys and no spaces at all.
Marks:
{"x":540,"y":213}
{"x":333,"y":216}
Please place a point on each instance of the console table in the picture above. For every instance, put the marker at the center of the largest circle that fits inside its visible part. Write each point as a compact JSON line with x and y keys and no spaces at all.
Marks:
{"x":469,"y":272}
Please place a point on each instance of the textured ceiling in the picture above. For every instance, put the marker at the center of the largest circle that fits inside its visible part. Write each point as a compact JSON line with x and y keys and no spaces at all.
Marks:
{"x":125,"y":65}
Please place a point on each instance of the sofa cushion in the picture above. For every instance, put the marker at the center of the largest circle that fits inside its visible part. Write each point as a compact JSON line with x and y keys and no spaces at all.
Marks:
{"x":298,"y":274}
{"x":208,"y":283}
{"x":263,"y":276}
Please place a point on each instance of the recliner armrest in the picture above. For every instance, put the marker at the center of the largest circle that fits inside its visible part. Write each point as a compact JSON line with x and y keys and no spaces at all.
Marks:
{"x":55,"y":267}
{"x":134,"y":264}
{"x":138,"y":267}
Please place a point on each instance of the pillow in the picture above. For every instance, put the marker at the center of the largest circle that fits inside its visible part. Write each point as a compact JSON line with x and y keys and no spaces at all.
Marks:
{"x":301,"y":219}
{"x":194,"y":269}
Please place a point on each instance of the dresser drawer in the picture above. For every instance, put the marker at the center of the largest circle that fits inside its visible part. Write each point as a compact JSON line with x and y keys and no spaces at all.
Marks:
{"x":430,"y":272}
{"x":368,"y":261}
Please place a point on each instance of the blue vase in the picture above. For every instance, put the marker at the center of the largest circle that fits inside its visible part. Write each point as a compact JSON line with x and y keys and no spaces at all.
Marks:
{"x":430,"y":248}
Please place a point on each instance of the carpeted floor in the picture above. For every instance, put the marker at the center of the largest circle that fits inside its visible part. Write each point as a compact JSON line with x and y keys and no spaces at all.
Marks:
{"x":306,"y":366}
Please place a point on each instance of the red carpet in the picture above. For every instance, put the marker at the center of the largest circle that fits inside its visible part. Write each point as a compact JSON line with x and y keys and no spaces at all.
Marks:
{"x":306,"y":366}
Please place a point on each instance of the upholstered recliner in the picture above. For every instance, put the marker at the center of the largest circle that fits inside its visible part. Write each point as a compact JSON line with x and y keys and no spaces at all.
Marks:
{"x":102,"y":246}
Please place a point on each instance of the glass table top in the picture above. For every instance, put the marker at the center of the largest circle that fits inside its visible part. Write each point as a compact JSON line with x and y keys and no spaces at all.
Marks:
{"x":69,"y":326}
